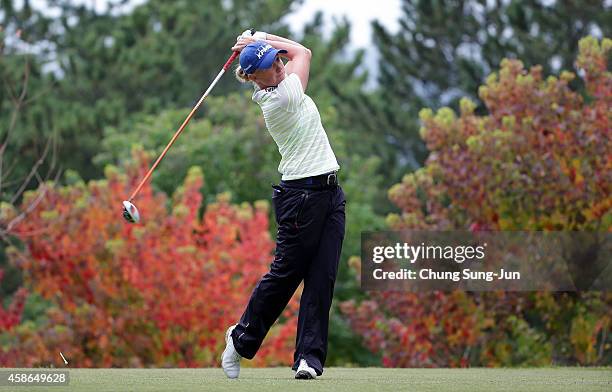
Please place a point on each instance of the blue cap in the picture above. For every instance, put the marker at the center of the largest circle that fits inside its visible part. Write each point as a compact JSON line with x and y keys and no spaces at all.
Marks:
{"x":258,"y":55}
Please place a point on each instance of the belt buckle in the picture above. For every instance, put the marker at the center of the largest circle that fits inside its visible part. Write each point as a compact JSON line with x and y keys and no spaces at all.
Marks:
{"x":335,"y":179}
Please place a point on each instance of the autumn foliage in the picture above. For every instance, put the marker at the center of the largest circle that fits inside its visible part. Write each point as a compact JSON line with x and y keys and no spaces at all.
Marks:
{"x":159,"y":293}
{"x":539,"y":160}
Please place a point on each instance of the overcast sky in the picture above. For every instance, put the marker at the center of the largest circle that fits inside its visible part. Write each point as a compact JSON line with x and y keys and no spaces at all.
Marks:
{"x":359,"y":13}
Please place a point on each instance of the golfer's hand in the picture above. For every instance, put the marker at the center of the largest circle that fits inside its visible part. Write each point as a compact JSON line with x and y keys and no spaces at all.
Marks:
{"x":241,"y":43}
{"x":246,"y":33}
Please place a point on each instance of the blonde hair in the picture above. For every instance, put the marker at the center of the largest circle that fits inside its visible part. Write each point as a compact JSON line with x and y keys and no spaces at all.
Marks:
{"x":241,"y":75}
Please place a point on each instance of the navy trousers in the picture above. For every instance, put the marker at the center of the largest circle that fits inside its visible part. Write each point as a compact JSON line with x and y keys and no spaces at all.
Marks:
{"x":311,"y":224}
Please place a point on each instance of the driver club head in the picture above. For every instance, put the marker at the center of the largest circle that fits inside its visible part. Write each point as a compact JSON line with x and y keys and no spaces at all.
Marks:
{"x":130,"y":212}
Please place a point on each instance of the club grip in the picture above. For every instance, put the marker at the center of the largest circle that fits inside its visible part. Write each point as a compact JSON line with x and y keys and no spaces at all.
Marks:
{"x":230,"y":60}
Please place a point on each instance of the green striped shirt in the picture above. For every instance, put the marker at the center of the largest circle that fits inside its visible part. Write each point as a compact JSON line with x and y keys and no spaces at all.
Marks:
{"x":293,"y":120}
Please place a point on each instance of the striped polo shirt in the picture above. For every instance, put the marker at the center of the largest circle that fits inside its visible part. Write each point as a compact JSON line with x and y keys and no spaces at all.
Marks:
{"x":293,"y":120}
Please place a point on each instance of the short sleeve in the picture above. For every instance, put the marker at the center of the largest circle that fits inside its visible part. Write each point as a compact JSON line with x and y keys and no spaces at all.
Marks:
{"x":290,"y":93}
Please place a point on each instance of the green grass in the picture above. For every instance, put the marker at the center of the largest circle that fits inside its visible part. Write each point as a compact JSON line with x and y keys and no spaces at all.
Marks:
{"x":337,"y":380}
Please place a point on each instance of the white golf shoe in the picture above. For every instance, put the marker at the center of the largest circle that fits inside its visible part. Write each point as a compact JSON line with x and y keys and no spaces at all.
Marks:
{"x":305,"y":372}
{"x":230,"y":359}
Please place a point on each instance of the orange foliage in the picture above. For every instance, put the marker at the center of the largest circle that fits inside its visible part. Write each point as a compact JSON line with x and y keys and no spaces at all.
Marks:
{"x":540,"y":160}
{"x":158,"y":293}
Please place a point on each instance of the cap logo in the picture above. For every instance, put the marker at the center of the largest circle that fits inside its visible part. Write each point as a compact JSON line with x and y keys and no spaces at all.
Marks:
{"x":262,"y":50}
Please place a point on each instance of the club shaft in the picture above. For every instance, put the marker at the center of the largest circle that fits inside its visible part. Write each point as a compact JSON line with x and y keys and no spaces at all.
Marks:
{"x":184,"y":124}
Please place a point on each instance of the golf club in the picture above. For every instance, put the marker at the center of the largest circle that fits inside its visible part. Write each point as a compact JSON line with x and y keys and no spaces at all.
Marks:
{"x":130,"y":212}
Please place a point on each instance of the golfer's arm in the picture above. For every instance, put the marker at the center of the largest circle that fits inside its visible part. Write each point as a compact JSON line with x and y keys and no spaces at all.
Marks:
{"x":298,"y":55}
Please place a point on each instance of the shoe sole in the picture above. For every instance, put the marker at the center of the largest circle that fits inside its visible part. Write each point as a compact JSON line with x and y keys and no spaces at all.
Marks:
{"x":303,"y":375}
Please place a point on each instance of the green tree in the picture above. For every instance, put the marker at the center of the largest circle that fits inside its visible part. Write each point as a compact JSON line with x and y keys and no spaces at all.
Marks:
{"x":445,"y":49}
{"x":103,"y":68}
{"x":22,"y":165}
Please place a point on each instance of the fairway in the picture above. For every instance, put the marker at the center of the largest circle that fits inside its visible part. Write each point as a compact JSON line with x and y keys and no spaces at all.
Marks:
{"x":337,"y":380}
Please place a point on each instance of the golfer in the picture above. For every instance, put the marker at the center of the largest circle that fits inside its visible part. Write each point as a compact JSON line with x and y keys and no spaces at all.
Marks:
{"x":308,"y":204}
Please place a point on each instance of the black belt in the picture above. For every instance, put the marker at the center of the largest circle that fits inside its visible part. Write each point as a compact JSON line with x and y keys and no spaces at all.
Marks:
{"x":323,"y":180}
